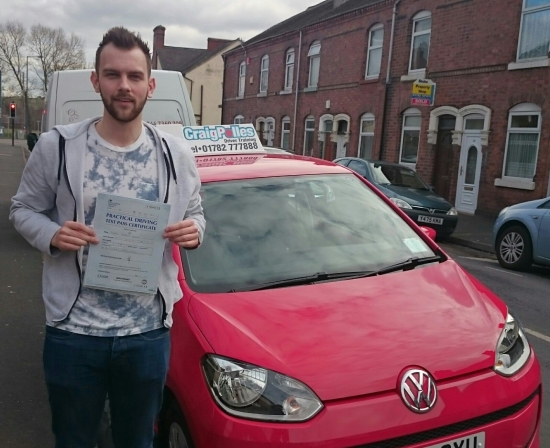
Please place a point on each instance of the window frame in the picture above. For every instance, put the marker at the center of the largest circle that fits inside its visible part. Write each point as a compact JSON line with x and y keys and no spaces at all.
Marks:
{"x":264,"y":70}
{"x":238,"y":118}
{"x":310,"y":118}
{"x":317,"y":56}
{"x":370,"y":47}
{"x":524,"y":12}
{"x":365,"y":117}
{"x":422,"y":15}
{"x":242,"y":80}
{"x":411,"y":112}
{"x":522,"y":109}
{"x":289,"y":66}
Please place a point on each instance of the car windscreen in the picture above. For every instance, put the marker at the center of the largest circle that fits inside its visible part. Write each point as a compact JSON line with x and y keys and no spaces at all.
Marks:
{"x":397,"y":176}
{"x":267,"y":230}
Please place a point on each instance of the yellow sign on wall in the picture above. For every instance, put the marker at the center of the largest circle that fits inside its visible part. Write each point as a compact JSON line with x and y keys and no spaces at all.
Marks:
{"x":423,"y":93}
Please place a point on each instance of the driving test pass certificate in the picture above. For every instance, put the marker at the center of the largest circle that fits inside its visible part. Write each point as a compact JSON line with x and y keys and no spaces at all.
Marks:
{"x":129,"y":254}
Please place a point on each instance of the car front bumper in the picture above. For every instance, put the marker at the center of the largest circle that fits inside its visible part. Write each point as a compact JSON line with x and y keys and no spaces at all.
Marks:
{"x":446,"y":228}
{"x":507,"y":410}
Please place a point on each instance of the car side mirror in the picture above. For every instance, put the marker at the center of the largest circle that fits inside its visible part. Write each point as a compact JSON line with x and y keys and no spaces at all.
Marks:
{"x":429,"y":231}
{"x":431,"y":188}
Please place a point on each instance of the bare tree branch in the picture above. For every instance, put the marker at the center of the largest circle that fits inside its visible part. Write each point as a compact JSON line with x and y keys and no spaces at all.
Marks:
{"x":54,"y":51}
{"x":12,"y":42}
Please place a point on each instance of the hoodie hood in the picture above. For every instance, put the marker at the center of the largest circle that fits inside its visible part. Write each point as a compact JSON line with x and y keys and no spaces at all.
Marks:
{"x":70,"y":131}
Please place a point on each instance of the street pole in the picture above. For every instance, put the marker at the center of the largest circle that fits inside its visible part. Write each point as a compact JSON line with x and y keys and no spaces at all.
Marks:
{"x":1,"y":116}
{"x":27,"y":115}
{"x":12,"y":131}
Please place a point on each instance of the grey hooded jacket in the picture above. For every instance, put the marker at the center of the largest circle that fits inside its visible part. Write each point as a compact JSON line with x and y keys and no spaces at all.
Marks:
{"x":51,"y":193}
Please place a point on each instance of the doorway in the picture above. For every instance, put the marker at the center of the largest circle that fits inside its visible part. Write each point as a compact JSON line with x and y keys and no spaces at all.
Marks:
{"x":444,"y":155}
{"x":469,"y":174}
{"x":341,"y":139}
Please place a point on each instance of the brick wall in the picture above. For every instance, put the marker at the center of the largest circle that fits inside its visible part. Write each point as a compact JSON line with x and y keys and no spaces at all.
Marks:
{"x":472,"y":43}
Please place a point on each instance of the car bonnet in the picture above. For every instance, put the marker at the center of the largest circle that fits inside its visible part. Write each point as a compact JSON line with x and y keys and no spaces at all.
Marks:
{"x":354,"y":337}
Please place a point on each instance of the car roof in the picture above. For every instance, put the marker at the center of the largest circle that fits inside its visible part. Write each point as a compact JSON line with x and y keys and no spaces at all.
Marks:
{"x":275,"y":150}
{"x":248,"y":166}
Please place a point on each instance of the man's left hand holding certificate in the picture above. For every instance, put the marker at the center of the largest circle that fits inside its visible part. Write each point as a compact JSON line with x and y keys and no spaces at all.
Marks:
{"x":131,"y":244}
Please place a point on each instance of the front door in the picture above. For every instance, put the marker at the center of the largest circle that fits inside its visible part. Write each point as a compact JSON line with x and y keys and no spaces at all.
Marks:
{"x":444,"y":156}
{"x":340,"y":146}
{"x":469,"y":172}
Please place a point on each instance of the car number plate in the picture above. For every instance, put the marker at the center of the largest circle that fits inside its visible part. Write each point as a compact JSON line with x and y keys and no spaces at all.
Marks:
{"x":430,"y":220}
{"x":473,"y":441}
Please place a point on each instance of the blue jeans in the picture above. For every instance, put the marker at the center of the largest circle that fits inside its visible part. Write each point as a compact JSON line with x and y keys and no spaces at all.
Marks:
{"x":81,"y":370}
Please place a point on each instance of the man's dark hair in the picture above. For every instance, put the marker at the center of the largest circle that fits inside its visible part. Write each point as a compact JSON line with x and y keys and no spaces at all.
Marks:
{"x":120,"y":37}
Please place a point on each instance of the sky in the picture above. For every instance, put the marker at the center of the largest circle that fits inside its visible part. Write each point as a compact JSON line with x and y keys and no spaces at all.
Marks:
{"x":188,"y":23}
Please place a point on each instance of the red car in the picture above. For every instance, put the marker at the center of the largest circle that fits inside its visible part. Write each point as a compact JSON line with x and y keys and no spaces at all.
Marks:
{"x":317,"y":314}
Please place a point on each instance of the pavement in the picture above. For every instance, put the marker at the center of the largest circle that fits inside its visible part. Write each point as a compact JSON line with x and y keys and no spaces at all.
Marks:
{"x":25,"y":417}
{"x":474,"y":231}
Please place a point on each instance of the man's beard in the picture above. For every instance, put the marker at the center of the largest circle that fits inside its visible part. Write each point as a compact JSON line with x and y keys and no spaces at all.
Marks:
{"x":126,"y":116}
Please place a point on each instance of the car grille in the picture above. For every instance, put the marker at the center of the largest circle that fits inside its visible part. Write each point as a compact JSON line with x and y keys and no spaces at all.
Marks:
{"x":455,"y":428}
{"x":427,"y":210}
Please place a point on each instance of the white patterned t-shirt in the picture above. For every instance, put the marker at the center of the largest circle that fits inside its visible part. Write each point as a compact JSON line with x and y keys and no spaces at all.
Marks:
{"x":131,"y":172}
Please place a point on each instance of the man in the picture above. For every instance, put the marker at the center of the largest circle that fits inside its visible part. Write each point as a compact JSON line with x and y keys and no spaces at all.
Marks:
{"x":97,"y":342}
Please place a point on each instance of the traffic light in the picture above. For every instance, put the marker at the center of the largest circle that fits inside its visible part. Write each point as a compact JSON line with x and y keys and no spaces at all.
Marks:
{"x":13,"y":109}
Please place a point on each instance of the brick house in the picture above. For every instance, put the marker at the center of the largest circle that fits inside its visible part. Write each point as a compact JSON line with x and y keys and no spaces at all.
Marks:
{"x":202,"y":70}
{"x":318,"y":83}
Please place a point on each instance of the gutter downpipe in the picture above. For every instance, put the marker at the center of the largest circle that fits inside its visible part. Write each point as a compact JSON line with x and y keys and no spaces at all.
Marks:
{"x":388,"y":78}
{"x":296,"y":97}
{"x":223,"y":86}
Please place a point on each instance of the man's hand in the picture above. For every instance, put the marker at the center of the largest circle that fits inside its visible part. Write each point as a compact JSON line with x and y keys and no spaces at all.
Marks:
{"x":72,"y":236}
{"x":184,"y":233}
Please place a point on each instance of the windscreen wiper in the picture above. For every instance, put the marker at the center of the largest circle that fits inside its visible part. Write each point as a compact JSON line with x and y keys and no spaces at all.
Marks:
{"x":409,"y":264}
{"x":306,"y":280}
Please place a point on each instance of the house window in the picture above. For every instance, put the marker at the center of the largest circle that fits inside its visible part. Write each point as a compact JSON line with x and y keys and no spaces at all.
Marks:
{"x":314,"y":55}
{"x":309,"y":135}
{"x":289,"y":69}
{"x":239,"y":119}
{"x":264,"y":73}
{"x":410,"y":138}
{"x":534,"y":39}
{"x":366,"y":136}
{"x":242,"y":79}
{"x":522,"y":145}
{"x":374,"y":53}
{"x":285,"y":133}
{"x":420,"y":45}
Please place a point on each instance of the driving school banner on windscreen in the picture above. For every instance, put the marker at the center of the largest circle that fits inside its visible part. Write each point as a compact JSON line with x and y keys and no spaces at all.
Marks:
{"x":217,"y":139}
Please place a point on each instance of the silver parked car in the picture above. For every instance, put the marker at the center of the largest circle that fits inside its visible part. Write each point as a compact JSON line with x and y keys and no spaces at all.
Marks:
{"x":521,"y":235}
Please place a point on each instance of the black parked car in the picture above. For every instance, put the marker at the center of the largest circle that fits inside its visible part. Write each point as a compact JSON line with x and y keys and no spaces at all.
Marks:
{"x":408,"y":191}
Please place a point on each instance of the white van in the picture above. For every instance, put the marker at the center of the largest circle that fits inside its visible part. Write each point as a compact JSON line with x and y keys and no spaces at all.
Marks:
{"x":71,"y":98}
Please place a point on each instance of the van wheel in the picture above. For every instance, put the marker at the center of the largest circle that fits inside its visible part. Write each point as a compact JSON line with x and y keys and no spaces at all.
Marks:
{"x":514,"y":248}
{"x":173,"y":430}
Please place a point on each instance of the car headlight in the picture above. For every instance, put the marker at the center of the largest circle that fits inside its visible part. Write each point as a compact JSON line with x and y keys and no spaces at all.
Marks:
{"x":401,"y":203}
{"x":452,"y":212}
{"x":251,"y":392}
{"x":513,"y":349}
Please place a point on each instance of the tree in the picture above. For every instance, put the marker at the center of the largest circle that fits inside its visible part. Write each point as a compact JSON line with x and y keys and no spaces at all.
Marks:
{"x":12,"y":42}
{"x":54,"y":51}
